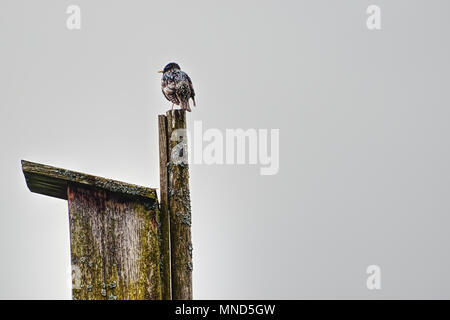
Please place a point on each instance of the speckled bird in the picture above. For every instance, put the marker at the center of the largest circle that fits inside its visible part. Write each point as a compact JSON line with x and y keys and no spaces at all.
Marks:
{"x":177,"y":86}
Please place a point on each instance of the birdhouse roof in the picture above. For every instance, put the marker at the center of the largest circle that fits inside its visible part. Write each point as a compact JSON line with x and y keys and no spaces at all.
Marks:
{"x":53,"y":182}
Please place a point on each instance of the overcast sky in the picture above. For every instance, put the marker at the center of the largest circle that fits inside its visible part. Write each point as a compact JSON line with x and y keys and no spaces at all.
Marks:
{"x":364,"y":173}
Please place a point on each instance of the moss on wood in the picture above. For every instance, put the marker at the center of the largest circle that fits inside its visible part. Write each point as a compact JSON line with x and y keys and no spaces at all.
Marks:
{"x":179,"y":212}
{"x":53,"y":182}
{"x":114,"y":246}
{"x":164,"y":221}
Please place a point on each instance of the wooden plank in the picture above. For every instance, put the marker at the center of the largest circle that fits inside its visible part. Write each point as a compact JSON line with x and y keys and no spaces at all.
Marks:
{"x":179,"y":209}
{"x":164,"y":214}
{"x":52,"y":181}
{"x":87,"y":239}
{"x":114,"y":246}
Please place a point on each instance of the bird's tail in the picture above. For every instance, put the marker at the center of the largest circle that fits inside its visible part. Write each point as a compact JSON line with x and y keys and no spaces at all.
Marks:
{"x":185,"y":105}
{"x":193,"y":100}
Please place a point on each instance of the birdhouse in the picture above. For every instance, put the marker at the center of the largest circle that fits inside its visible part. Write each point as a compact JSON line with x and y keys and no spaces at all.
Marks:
{"x":124,"y":243}
{"x":113,"y":232}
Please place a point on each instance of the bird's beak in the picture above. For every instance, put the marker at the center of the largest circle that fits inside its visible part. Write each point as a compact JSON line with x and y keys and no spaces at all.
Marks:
{"x":160,"y":71}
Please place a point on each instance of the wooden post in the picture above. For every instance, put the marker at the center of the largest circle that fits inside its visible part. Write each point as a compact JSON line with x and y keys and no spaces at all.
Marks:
{"x":176,"y":183}
{"x":113,"y":232}
{"x":164,"y":211}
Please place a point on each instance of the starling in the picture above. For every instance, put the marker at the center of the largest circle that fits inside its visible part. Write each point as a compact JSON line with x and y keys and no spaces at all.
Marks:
{"x":177,"y":86}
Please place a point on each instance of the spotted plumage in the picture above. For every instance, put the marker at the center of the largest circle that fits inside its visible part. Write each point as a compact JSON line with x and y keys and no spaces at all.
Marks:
{"x":177,"y":86}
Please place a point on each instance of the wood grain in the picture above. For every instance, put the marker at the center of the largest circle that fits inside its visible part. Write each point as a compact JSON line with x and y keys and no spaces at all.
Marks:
{"x":179,"y":208}
{"x":114,"y":246}
{"x":52,"y":181}
{"x":164,"y":212}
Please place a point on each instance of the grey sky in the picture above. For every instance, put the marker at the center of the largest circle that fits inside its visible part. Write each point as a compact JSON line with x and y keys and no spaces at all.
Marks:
{"x":363,"y":117}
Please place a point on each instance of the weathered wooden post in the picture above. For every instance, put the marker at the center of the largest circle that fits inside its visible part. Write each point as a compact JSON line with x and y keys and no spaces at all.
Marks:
{"x":164,"y":212}
{"x":113,"y":232}
{"x":175,"y":199}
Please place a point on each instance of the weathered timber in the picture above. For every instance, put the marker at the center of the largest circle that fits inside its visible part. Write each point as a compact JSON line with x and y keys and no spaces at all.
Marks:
{"x":114,"y":230}
{"x":164,"y":212}
{"x":114,"y":247}
{"x":179,"y":206}
{"x":52,"y":181}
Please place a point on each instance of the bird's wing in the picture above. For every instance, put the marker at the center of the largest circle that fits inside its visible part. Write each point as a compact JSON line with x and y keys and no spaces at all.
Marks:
{"x":192,"y":89}
{"x":168,"y":88}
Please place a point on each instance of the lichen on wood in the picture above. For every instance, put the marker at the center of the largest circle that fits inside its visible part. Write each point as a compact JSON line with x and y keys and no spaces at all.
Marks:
{"x":179,"y":211}
{"x":114,"y":246}
{"x":164,"y":212}
{"x":54,"y":181}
